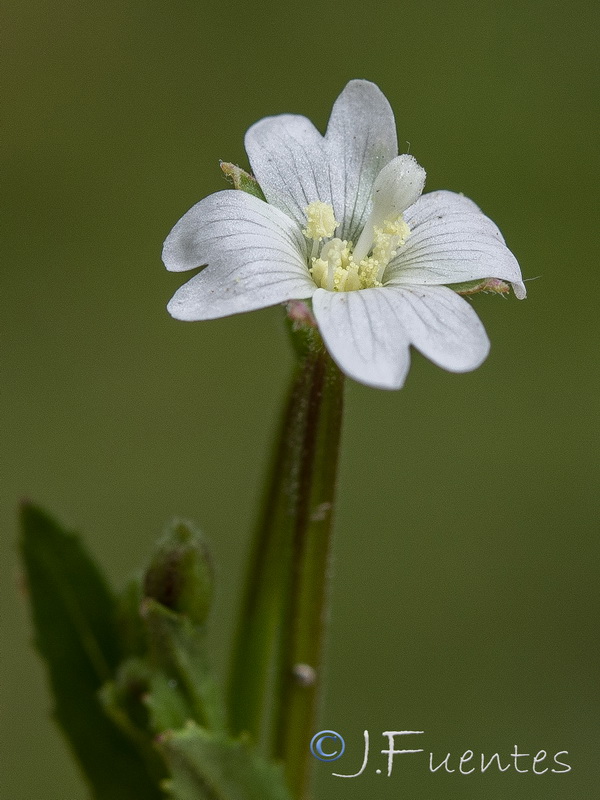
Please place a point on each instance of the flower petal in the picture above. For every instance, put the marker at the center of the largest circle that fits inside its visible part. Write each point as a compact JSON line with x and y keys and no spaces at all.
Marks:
{"x":288,"y":159}
{"x":360,"y":141}
{"x":442,"y":325}
{"x":451,"y":241}
{"x":364,"y":334}
{"x":254,"y":254}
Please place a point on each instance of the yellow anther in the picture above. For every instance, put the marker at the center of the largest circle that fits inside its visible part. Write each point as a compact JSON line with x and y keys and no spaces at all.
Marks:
{"x":335,"y":268}
{"x":320,"y":221}
{"x":396,"y":227}
{"x":319,"y":271}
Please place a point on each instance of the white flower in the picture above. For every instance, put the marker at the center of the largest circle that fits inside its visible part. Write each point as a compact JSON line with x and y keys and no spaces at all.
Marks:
{"x":345,"y":224}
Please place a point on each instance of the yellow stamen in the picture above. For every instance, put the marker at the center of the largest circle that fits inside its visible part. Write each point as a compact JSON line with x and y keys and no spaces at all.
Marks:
{"x":321,"y":222}
{"x":335,"y":268}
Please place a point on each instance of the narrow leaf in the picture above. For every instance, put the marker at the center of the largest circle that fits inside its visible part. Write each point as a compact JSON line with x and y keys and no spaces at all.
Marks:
{"x":74,"y":620}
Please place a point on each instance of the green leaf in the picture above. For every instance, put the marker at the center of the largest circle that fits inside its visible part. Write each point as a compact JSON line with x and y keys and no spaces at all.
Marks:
{"x":166,"y":704}
{"x":76,"y":634}
{"x":207,"y":766}
{"x":178,"y":650}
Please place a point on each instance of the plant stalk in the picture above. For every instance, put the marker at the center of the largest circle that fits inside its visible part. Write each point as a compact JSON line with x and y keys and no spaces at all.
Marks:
{"x":278,"y":653}
{"x":302,"y":647}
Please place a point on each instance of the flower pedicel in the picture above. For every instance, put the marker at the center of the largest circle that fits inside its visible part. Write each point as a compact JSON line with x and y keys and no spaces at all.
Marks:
{"x":347,"y":226}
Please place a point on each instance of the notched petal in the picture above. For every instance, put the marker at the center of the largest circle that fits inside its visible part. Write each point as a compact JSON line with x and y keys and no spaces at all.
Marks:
{"x":255,"y":256}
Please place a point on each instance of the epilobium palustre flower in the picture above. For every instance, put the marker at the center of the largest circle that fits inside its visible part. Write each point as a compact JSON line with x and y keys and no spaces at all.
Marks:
{"x":345,"y":224}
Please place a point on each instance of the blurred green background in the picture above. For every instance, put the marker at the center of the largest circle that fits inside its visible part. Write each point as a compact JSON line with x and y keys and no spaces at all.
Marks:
{"x":466,"y":552}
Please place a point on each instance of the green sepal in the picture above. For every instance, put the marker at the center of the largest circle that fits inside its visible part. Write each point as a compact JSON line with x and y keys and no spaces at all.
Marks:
{"x":485,"y":285}
{"x":208,"y":766}
{"x":242,"y":179}
{"x":178,"y":649}
{"x":76,"y":634}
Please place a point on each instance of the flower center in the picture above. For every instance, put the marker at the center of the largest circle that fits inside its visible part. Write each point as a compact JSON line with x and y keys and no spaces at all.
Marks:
{"x":339,"y":267}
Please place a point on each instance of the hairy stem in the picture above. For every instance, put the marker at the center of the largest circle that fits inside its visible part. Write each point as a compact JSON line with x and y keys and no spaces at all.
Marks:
{"x":277,"y":662}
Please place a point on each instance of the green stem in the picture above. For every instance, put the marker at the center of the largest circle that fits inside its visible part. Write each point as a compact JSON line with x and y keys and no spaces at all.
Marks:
{"x":282,"y":620}
{"x":301,"y":665}
{"x":264,"y":598}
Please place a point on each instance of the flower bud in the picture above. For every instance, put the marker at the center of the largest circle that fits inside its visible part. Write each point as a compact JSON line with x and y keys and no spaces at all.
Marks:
{"x":180,"y":575}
